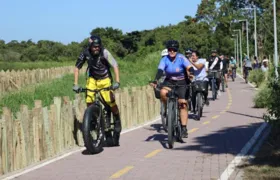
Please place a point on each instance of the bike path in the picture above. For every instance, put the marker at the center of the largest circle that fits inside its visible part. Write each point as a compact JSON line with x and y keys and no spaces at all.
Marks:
{"x":213,"y":142}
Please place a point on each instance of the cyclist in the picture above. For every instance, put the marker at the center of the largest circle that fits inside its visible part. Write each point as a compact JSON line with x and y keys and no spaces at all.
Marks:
{"x":198,"y":66}
{"x":232,"y":67}
{"x":247,"y":66}
{"x":225,"y":61}
{"x":188,"y":53}
{"x":99,"y":60}
{"x":215,"y":63}
{"x":175,"y":66}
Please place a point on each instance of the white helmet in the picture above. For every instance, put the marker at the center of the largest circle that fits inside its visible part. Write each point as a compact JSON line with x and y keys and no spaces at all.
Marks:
{"x":164,"y":52}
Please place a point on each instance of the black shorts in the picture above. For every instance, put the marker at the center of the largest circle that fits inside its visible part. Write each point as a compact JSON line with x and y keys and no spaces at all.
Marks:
{"x":181,"y":91}
{"x":225,"y":71}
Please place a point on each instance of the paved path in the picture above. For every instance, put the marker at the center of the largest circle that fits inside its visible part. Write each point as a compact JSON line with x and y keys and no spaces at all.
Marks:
{"x":227,"y":125}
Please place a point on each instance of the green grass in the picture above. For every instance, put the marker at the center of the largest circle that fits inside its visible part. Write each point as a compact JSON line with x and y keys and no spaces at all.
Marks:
{"x":33,"y":65}
{"x":132,"y":73}
{"x":138,"y":72}
{"x":45,"y":92}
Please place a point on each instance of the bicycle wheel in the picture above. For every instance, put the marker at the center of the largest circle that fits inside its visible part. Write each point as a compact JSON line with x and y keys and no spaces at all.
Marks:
{"x":213,"y":89}
{"x":170,"y":120}
{"x":109,"y":130}
{"x":223,"y":83}
{"x":246,"y":77}
{"x":199,"y":105}
{"x":163,"y":116}
{"x":190,"y":99}
{"x":178,"y":132}
{"x":93,"y":129}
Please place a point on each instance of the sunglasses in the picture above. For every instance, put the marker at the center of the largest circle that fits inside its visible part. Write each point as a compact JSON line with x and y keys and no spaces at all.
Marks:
{"x":172,"y":49}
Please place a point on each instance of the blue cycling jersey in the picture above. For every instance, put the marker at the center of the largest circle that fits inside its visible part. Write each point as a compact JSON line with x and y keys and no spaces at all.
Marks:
{"x":175,"y":70}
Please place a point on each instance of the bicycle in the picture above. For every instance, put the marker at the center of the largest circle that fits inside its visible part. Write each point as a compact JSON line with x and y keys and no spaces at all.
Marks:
{"x":233,"y":73}
{"x":174,"y":126}
{"x":97,"y":124}
{"x":197,"y":101}
{"x":190,"y":94}
{"x":246,"y":73}
{"x":214,"y":87}
{"x":173,"y":120}
{"x":223,"y":81}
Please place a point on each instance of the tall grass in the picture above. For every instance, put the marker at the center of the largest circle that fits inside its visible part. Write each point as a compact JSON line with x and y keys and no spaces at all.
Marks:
{"x":132,"y":73}
{"x":4,"y":65}
{"x":45,"y":92}
{"x":138,"y":72}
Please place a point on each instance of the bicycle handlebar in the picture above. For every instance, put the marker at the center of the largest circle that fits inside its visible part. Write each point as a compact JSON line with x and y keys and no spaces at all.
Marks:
{"x":214,"y":70}
{"x":95,"y":90}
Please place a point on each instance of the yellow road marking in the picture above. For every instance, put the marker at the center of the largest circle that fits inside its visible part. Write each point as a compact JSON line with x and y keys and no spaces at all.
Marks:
{"x":223,"y":112}
{"x":215,"y":117}
{"x":207,"y":122}
{"x":193,"y":130}
{"x":153,"y":153}
{"x":121,"y":172}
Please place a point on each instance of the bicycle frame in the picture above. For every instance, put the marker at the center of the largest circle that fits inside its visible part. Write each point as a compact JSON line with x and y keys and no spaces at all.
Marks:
{"x":197,"y":91}
{"x":213,"y":83}
{"x":100,"y":102}
{"x":172,"y":96}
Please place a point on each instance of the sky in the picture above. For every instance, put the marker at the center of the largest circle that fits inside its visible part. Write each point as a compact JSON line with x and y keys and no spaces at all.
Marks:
{"x":72,"y":20}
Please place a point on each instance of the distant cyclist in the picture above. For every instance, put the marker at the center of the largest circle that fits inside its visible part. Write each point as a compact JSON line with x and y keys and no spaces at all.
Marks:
{"x":215,"y":63}
{"x":188,"y":53}
{"x":247,"y":66}
{"x":232,"y":67}
{"x":225,"y":69}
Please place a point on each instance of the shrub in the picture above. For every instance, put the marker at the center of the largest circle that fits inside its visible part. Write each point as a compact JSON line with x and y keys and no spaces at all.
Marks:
{"x":257,"y":77}
{"x":262,"y":96}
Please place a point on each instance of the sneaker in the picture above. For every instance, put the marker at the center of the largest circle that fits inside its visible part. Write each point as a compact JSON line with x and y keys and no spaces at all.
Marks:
{"x":184,"y":132}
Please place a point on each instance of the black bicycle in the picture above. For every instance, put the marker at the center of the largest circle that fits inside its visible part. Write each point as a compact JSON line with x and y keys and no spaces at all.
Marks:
{"x":174,"y":126}
{"x":233,"y":73}
{"x":97,"y":125}
{"x":173,"y":120}
{"x":199,"y":88}
{"x":190,"y":96}
{"x":213,"y":80}
{"x":247,"y":71}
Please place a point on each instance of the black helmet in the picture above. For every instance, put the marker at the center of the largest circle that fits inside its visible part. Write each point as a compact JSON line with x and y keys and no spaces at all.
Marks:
{"x":96,"y":41}
{"x":214,"y":51}
{"x":172,"y":44}
{"x":188,"y":51}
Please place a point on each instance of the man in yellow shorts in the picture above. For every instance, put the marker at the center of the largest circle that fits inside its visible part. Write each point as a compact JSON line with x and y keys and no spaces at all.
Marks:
{"x":99,"y":62}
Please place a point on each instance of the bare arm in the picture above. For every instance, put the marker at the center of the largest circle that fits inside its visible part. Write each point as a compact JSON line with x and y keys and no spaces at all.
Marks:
{"x":117,"y":76}
{"x":113,"y":63}
{"x":197,"y":66}
{"x":76,"y":76}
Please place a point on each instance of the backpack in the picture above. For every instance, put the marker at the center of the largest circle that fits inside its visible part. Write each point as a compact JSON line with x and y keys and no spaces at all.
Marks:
{"x":103,"y":60}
